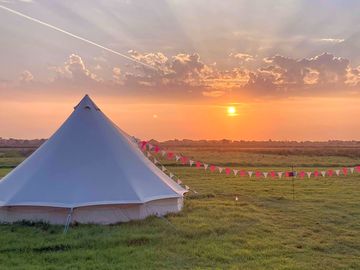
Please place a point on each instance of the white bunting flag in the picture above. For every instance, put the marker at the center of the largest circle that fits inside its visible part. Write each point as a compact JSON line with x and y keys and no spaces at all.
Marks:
{"x":236,"y":198}
{"x":148,"y":154}
{"x":265,"y":174}
{"x":308,"y":174}
{"x":206,"y":166}
{"x":179,"y":182}
{"x":220,"y":169}
{"x":156,"y":161}
{"x":177,"y":157}
{"x":171,"y":175}
{"x":195,"y":191}
{"x":352,"y":170}
{"x":323,"y":173}
{"x":250,"y":173}
{"x":191,"y":162}
{"x":280,"y":174}
{"x":163,"y":152}
{"x":187,"y":187}
{"x":150,"y":146}
{"x":163,"y":168}
{"x":337,"y":172}
{"x":235,"y":172}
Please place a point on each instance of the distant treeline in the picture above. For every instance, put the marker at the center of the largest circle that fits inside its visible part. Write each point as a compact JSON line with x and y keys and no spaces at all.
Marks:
{"x":259,"y":144}
{"x":21,"y":143}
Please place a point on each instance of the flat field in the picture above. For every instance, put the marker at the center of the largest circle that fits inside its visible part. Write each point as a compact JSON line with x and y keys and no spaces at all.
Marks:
{"x":264,"y":229}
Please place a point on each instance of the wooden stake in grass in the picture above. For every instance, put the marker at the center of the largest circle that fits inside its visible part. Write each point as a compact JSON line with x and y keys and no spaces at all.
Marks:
{"x":293,"y":184}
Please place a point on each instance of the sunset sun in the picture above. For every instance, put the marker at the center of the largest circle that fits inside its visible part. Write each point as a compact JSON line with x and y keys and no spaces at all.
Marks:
{"x":231,"y":111}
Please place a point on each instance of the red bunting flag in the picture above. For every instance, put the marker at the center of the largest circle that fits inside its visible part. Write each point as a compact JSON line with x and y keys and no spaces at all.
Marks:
{"x":143,"y":145}
{"x":170,"y":155}
{"x":156,"y":149}
{"x":198,"y":164}
{"x":358,"y":169}
{"x":302,"y":174}
{"x":227,"y":171}
{"x":316,"y":173}
{"x":330,"y":172}
{"x":258,"y":174}
{"x":212,"y":168}
{"x":272,"y":174}
{"x":184,"y":160}
{"x":345,"y":171}
{"x":242,"y":173}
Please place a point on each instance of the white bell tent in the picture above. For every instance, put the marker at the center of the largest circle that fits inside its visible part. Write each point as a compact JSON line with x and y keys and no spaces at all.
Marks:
{"x":89,"y":171}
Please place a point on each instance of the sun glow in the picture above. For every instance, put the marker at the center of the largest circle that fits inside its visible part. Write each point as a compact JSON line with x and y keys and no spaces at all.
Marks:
{"x":231,"y":111}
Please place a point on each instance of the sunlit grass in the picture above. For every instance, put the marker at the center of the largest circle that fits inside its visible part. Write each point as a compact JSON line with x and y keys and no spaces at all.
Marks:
{"x":264,"y":229}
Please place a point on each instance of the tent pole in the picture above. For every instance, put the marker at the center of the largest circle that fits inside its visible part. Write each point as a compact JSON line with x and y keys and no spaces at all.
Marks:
{"x":68,"y":220}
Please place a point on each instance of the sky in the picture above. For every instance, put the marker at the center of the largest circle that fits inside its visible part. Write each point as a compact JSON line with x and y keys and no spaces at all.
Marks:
{"x":289,"y":68}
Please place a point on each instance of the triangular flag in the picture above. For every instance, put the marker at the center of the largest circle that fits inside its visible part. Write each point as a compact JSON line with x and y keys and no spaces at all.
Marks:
{"x":220,"y":169}
{"x":280,"y":174}
{"x":179,"y":182}
{"x":323,"y":173}
{"x":184,"y":160}
{"x":250,"y":173}
{"x":150,"y":146}
{"x":235,"y":172}
{"x":156,"y":149}
{"x":198,"y":164}
{"x":352,"y":170}
{"x":337,"y":172}
{"x":163,"y":152}
{"x":265,"y":174}
{"x":301,"y":174}
{"x":170,"y":155}
{"x":308,"y":174}
{"x":155,"y":161}
{"x":171,"y":175}
{"x":227,"y":171}
{"x":358,"y":169}
{"x":206,"y":166}
{"x":187,"y":187}
{"x":191,"y":162}
{"x":148,"y":154}
{"x":163,"y":168}
{"x":345,"y":171}
{"x":258,"y":174}
{"x":195,"y":191}
{"x":177,"y":157}
{"x":242,"y":173}
{"x":212,"y":168}
{"x":236,"y":198}
{"x":143,"y":145}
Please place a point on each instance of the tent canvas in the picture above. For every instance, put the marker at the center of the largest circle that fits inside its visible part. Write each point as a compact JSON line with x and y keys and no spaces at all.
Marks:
{"x":92,"y":169}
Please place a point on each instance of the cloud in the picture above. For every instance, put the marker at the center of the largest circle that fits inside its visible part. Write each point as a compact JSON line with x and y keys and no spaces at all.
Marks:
{"x":74,"y":70}
{"x":331,"y":40}
{"x":213,"y":94}
{"x":188,"y":75}
{"x":26,"y":77}
{"x":116,"y":75}
{"x":243,"y":57}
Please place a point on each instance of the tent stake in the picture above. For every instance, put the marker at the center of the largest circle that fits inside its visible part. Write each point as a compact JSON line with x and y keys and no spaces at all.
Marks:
{"x":68,"y":220}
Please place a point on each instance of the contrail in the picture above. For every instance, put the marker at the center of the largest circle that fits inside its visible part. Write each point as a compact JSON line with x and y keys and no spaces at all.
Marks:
{"x":74,"y":36}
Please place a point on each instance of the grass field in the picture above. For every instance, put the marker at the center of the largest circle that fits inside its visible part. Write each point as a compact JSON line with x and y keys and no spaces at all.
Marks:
{"x":264,"y":229}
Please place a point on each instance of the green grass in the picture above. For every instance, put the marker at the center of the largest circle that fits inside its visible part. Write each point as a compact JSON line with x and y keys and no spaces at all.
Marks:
{"x":264,"y":229}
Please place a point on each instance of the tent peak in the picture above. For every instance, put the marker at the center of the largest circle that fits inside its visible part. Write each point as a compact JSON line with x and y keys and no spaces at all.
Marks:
{"x":87,"y":103}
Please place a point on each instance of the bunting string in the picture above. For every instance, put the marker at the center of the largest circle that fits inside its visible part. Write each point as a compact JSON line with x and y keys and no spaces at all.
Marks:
{"x":149,"y":148}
